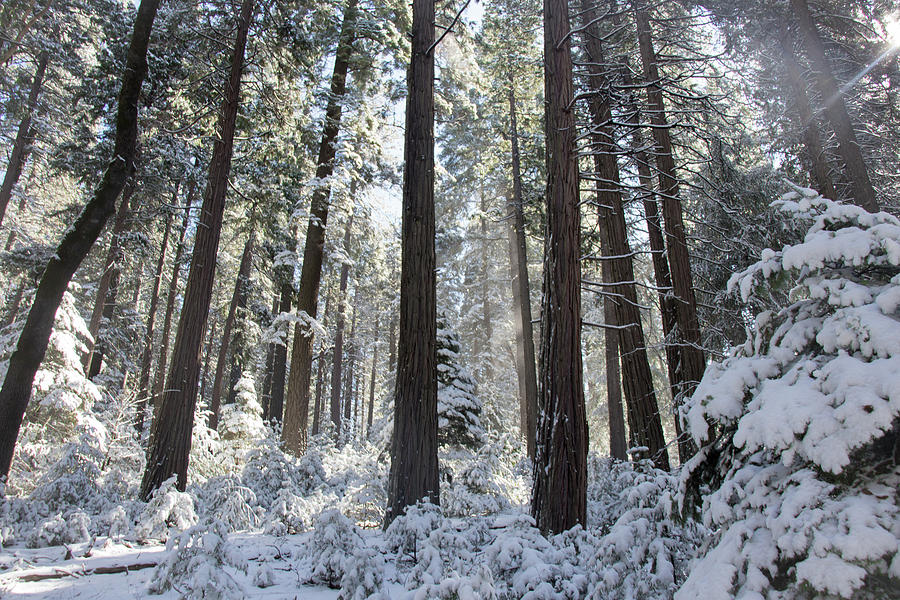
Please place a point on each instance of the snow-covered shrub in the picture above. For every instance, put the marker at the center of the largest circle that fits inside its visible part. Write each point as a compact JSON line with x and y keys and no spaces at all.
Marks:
{"x":481,"y":486}
{"x":363,"y":575}
{"x":242,"y":421}
{"x":197,"y":565}
{"x":454,"y":586}
{"x":73,"y":479}
{"x":167,"y":510}
{"x":795,"y":472}
{"x":287,"y":515}
{"x":643,"y":550}
{"x":59,"y":530}
{"x":334,"y":540}
{"x":459,"y":408}
{"x":268,"y":469}
{"x":209,"y":457}
{"x":224,"y":499}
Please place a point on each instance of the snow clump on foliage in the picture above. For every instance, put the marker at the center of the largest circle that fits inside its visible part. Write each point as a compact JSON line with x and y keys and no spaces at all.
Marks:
{"x":242,"y":420}
{"x":459,"y":408}
{"x":798,"y":431}
{"x":197,"y":565}
{"x":168,"y":509}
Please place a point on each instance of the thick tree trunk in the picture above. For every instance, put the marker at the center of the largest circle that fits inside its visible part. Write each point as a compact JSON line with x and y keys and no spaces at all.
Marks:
{"x":372,"y":378}
{"x":687,"y":335}
{"x":836,"y":110}
{"x":338,"y":365}
{"x":109,"y":275}
{"x":147,"y":354}
{"x":170,"y":439}
{"x":238,"y":299}
{"x":296,"y":410}
{"x":35,"y":336}
{"x":171,"y":295}
{"x":521,"y":293}
{"x":644,"y":421}
{"x":414,"y":466}
{"x":617,"y":446}
{"x":24,"y":137}
{"x":819,"y":172}
{"x":279,"y":370}
{"x":559,"y":499}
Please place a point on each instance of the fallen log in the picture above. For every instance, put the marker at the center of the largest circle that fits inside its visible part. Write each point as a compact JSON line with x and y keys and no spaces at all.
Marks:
{"x":59,"y":573}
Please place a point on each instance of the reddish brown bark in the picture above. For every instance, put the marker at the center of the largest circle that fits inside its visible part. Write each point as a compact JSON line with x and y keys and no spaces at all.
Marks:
{"x":414,"y":466}
{"x":170,"y":439}
{"x":296,"y":409}
{"x":559,"y":499}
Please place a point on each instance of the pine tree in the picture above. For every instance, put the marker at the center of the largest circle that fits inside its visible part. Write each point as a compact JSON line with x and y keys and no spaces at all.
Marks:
{"x":459,"y":408}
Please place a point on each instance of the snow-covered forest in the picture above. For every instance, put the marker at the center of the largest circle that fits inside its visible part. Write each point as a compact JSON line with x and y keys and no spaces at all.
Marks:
{"x":460,"y":300}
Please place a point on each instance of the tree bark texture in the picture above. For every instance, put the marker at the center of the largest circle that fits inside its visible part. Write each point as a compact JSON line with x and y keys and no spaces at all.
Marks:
{"x":24,"y":137}
{"x":521,"y":293}
{"x":558,"y":501}
{"x":296,"y":409}
{"x":238,"y":299}
{"x":170,"y":439}
{"x":414,"y":466}
{"x":836,"y":110}
{"x":693,"y":362}
{"x":77,"y":242}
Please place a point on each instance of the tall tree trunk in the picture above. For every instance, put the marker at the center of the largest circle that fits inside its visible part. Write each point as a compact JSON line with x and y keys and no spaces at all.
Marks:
{"x":35,"y":336}
{"x":170,"y":439}
{"x":351,"y":365}
{"x":147,"y":354}
{"x":14,"y":305}
{"x":279,"y":369}
{"x":521,"y":293}
{"x":110,"y":272}
{"x":486,"y":313}
{"x":24,"y":137}
{"x":372,"y":378}
{"x":836,"y":110}
{"x":692,"y":362}
{"x":171,"y":295}
{"x":617,"y":445}
{"x":812,"y":141}
{"x":296,"y":410}
{"x":207,"y":351}
{"x":414,"y":466}
{"x":320,"y":367}
{"x":644,"y":421}
{"x":338,"y":365}
{"x":559,"y":500}
{"x":238,"y":299}
{"x":270,"y":365}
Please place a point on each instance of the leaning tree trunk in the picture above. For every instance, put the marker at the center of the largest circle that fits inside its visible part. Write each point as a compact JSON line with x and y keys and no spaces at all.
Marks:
{"x":812,"y":140}
{"x":296,"y":409}
{"x":159,"y":378}
{"x":24,"y":137}
{"x":414,"y":465}
{"x":35,"y":336}
{"x":559,"y":499}
{"x":644,"y":423}
{"x":521,"y":293}
{"x":337,"y":366}
{"x":170,"y":439}
{"x":238,"y":299}
{"x":693,"y":363}
{"x":147,"y":354}
{"x":836,"y":110}
{"x":110,"y":273}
